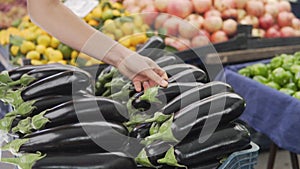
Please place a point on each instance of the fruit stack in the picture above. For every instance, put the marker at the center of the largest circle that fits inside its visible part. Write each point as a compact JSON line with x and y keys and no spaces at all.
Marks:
{"x":10,"y":10}
{"x":198,"y":22}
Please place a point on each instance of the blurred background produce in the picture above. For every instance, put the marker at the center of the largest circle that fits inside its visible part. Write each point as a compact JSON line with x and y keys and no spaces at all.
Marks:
{"x":11,"y":10}
{"x":217,"y":19}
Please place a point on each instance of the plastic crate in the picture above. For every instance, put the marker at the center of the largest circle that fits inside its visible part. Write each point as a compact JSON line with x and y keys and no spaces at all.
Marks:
{"x":245,"y":159}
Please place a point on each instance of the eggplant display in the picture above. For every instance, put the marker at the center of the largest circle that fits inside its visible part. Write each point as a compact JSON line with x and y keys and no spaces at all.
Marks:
{"x":167,"y":60}
{"x":65,"y":83}
{"x":73,"y":138}
{"x":189,"y":75}
{"x":115,"y":160}
{"x":233,"y":138}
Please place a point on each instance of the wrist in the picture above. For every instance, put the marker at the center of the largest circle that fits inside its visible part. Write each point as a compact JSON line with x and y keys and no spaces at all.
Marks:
{"x":117,"y":54}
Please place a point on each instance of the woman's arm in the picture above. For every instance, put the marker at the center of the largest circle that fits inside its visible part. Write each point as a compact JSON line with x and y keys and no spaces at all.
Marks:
{"x":62,"y":23}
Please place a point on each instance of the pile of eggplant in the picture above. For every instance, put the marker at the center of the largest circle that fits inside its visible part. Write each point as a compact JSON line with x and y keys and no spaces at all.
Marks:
{"x":62,"y":117}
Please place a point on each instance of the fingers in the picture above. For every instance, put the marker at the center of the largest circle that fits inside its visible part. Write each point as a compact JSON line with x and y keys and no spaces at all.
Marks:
{"x":137,"y":86}
{"x":152,"y":75}
{"x":146,"y":85}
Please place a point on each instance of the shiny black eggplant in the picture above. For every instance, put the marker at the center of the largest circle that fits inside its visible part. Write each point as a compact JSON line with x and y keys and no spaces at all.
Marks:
{"x":64,"y":83}
{"x":219,"y":145}
{"x":73,"y":138}
{"x":49,"y":101}
{"x":140,"y":131}
{"x":153,"y":48}
{"x":16,"y":73}
{"x":189,"y":75}
{"x":81,"y":110}
{"x":85,"y":161}
{"x":193,"y":95}
{"x":174,"y":69}
{"x":164,"y":95}
{"x":167,"y":60}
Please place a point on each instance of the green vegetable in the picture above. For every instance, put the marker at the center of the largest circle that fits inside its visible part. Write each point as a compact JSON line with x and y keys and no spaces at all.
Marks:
{"x":276,"y":62}
{"x":291,"y":86}
{"x":245,"y":72}
{"x":280,"y":76}
{"x":273,"y":85}
{"x":259,"y":69}
{"x":287,"y":91}
{"x":260,"y":79}
{"x":297,"y":95}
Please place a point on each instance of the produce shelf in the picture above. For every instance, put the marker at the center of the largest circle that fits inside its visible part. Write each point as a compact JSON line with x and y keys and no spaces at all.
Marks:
{"x":245,"y":159}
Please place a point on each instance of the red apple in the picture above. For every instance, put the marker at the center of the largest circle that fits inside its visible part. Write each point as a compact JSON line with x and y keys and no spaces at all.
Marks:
{"x":272,"y":9}
{"x":161,"y":5}
{"x":212,"y":12}
{"x":203,"y":32}
{"x":160,"y":20}
{"x":149,"y":14}
{"x":229,"y":27}
{"x":285,"y":19}
{"x":230,"y":14}
{"x":201,"y":6}
{"x":199,"y":41}
{"x":219,"y":36}
{"x":183,"y":44}
{"x":171,"y":26}
{"x":255,"y":8}
{"x":296,"y":23}
{"x":284,"y":6}
{"x":222,"y":5}
{"x":196,"y":20}
{"x":128,"y":3}
{"x":213,"y":24}
{"x":145,"y":4}
{"x":273,"y":33}
{"x":187,"y":30}
{"x":258,"y":32}
{"x":180,"y":8}
{"x":266,"y":21}
{"x":241,"y":13}
{"x":250,"y":20}
{"x":240,"y":4}
{"x":169,"y":41}
{"x":287,"y":31}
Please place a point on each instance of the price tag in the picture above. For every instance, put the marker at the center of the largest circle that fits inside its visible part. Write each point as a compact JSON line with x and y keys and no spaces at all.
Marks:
{"x":81,"y":7}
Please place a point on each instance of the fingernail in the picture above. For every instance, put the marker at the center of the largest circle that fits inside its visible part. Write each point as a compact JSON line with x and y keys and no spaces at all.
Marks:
{"x":164,"y":83}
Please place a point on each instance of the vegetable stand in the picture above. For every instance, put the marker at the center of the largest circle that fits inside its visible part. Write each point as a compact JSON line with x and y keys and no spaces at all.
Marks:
{"x":278,"y":117}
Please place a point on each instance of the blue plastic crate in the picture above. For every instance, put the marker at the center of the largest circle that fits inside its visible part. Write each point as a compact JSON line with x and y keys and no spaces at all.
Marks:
{"x":245,"y":159}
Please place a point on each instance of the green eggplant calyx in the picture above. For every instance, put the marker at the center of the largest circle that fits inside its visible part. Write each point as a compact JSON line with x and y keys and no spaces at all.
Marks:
{"x":165,"y":133}
{"x":158,"y":117}
{"x":143,"y":160}
{"x":24,"y":109}
{"x":106,"y":93}
{"x":137,"y":119}
{"x":154,"y":128}
{"x":12,"y":97}
{"x":4,"y":77}
{"x":5,"y":123}
{"x":26,"y":80}
{"x":15,"y":145}
{"x":170,"y":159}
{"x":123,"y":94}
{"x":25,"y":161}
{"x":24,"y":126}
{"x":39,"y":121}
{"x":150,"y":95}
{"x":130,"y":108}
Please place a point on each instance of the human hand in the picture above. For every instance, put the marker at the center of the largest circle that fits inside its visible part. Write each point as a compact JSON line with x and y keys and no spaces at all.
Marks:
{"x":143,"y":72}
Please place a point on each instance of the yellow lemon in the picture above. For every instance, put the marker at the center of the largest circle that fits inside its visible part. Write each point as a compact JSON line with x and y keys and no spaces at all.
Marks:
{"x":44,"y":40}
{"x":63,"y":62}
{"x":127,"y":28}
{"x":30,"y":36}
{"x":36,"y":62}
{"x":138,"y":39}
{"x":93,"y":22}
{"x":26,"y":18}
{"x":34,"y":55}
{"x":88,"y":17}
{"x":27,"y":46}
{"x":54,"y":42}
{"x":74,"y":54}
{"x":84,"y":56}
{"x":116,"y":13}
{"x":73,"y":62}
{"x":47,"y":52}
{"x":50,"y":62}
{"x":14,"y":50}
{"x":117,"y":5}
{"x":55,"y":55}
{"x":132,"y":48}
{"x":97,"y":12}
{"x":40,"y":48}
{"x":125,"y":41}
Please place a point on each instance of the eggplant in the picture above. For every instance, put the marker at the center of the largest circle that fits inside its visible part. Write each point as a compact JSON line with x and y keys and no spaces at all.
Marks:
{"x":75,"y":161}
{"x":174,"y":69}
{"x":64,"y":83}
{"x":167,"y":60}
{"x":226,"y":107}
{"x":73,"y":138}
{"x":140,"y":131}
{"x":78,"y":110}
{"x":49,"y":101}
{"x":189,"y":75}
{"x":143,"y":100}
{"x":16,"y":73}
{"x":220,"y":144}
{"x":152,"y":48}
{"x":192,"y":95}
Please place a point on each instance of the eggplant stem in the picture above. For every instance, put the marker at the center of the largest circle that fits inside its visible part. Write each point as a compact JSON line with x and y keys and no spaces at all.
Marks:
{"x":143,"y":160}
{"x":15,"y":145}
{"x":5,"y":123}
{"x":150,"y":95}
{"x":39,"y":121}
{"x":25,"y":161}
{"x":170,"y":159}
{"x":24,"y":126}
{"x":158,"y":117}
